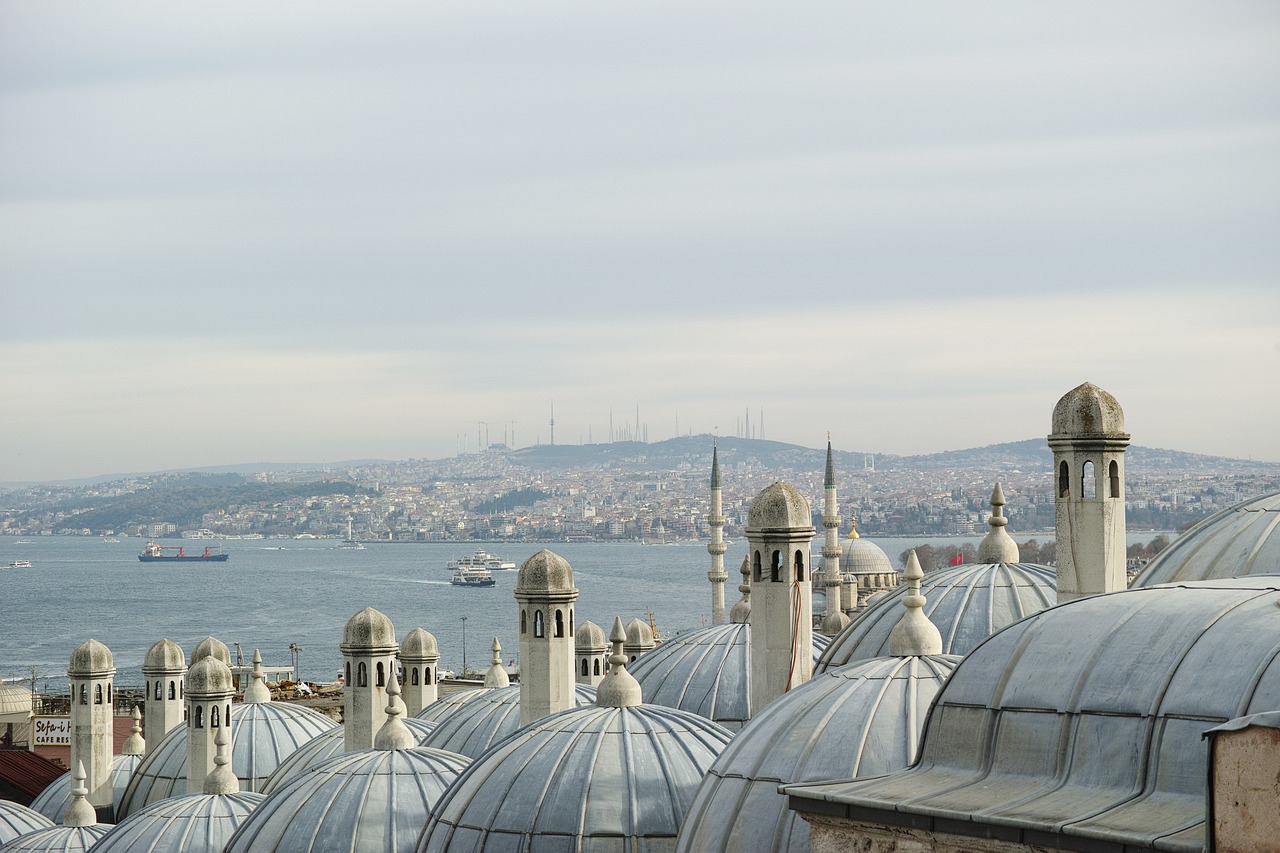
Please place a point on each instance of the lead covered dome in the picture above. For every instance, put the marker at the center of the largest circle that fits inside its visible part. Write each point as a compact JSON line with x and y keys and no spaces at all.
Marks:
{"x":164,"y":656}
{"x":778,"y":507}
{"x":18,"y":820}
{"x":1238,"y":541}
{"x":1087,"y":410}
{"x":544,"y":572}
{"x":91,"y":659}
{"x":482,"y":718}
{"x":369,"y":629}
{"x":419,"y":643}
{"x":324,"y":746}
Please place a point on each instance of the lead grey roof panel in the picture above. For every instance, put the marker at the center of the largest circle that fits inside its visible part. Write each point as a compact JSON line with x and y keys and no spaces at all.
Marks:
{"x":1238,"y":541}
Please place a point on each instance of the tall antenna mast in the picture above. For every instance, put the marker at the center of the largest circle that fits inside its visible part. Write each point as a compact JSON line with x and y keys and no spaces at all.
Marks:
{"x":553,"y":423}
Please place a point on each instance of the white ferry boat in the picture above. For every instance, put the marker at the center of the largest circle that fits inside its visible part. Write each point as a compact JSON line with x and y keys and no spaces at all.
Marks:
{"x":482,"y":559}
{"x":472,"y":576}
{"x":19,"y":564}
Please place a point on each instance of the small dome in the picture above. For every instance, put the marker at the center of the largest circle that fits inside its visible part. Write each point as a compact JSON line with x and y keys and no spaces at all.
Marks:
{"x":195,"y":823}
{"x":165,"y":656}
{"x":1087,"y":410}
{"x":324,"y":746}
{"x":419,"y":645}
{"x":860,"y":556}
{"x":545,"y":572}
{"x":91,"y":659}
{"x":209,"y":677}
{"x":834,"y":623}
{"x":368,"y":800}
{"x":369,"y":631}
{"x":590,"y":778}
{"x":484,"y":718}
{"x":860,"y":720}
{"x":262,"y":735}
{"x":639,"y":635}
{"x":54,"y":799}
{"x":779,"y":507}
{"x":1238,"y":541}
{"x":706,"y":671}
{"x":589,"y":638}
{"x":18,"y":820}
{"x":211,"y":647}
{"x":59,"y":839}
{"x":966,"y":603}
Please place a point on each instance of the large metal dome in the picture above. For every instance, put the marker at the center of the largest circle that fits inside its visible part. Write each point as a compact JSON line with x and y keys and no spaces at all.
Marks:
{"x":590,"y":779}
{"x":966,"y":603}
{"x":706,"y":671}
{"x":262,"y":735}
{"x":18,"y":820}
{"x":324,"y":746}
{"x":485,"y":718}
{"x":368,"y":801}
{"x":58,"y":839}
{"x":1241,"y":540}
{"x":863,"y":719}
{"x":54,"y":799}
{"x":194,"y":823}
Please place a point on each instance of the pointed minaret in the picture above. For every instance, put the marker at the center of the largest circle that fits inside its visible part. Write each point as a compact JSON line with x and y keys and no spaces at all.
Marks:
{"x":741,"y":612}
{"x":257,"y":691}
{"x":997,"y":546}
{"x":420,"y":657}
{"x":496,"y":676}
{"x":545,"y":594}
{"x":716,"y":548}
{"x":394,"y":734}
{"x":222,"y":780}
{"x":209,"y":692}
{"x":914,"y":634}
{"x":618,"y":689}
{"x":779,"y":530}
{"x":134,"y":744}
{"x":589,"y":648}
{"x":92,"y":673}
{"x":369,"y":658}
{"x":163,"y":669}
{"x":79,"y":812}
{"x":1088,"y":443}
{"x":833,"y":620}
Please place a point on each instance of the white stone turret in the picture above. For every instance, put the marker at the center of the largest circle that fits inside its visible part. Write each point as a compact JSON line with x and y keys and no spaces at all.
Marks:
{"x":716,"y":548}
{"x":420,"y":657}
{"x":1088,"y":443}
{"x":369,"y":659}
{"x":92,"y":674}
{"x":209,"y":692}
{"x":779,"y":530}
{"x":639,"y":640}
{"x":496,"y":676}
{"x":589,"y":648}
{"x":546,"y":595}
{"x":833,"y":620}
{"x":164,"y":669}
{"x":998,"y":546}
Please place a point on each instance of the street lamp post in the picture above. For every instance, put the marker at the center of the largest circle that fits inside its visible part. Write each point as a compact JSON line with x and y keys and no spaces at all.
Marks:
{"x":464,"y":647}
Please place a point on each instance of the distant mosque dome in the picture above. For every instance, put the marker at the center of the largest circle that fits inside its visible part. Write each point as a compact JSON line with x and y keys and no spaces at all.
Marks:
{"x":484,"y":717}
{"x":1238,"y":541}
{"x":18,"y":820}
{"x":321,"y":748}
{"x":778,"y":506}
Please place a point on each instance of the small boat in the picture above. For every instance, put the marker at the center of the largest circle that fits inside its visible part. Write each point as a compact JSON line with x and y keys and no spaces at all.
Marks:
{"x":472,"y":576}
{"x":482,"y":559}
{"x":154,"y":553}
{"x":350,"y":543}
{"x":19,"y":564}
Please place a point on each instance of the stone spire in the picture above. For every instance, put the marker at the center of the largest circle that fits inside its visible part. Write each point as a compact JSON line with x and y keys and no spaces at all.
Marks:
{"x":79,"y":812}
{"x":257,"y":692}
{"x":134,"y":744}
{"x":716,"y":548}
{"x":221,"y":780}
{"x":618,"y":689}
{"x":91,"y":673}
{"x":394,"y":734}
{"x":420,"y":656}
{"x":833,"y":619}
{"x":496,"y":676}
{"x":741,"y":613}
{"x":997,"y":546}
{"x":914,"y":634}
{"x":164,"y":670}
{"x":545,"y":593}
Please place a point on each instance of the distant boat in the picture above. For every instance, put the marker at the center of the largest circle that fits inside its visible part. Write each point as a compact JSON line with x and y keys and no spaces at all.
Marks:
{"x":19,"y":564}
{"x":482,"y":559}
{"x":472,"y":576}
{"x":154,"y":553}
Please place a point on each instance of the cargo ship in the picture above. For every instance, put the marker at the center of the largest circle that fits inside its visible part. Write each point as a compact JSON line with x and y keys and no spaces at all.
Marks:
{"x":154,"y":553}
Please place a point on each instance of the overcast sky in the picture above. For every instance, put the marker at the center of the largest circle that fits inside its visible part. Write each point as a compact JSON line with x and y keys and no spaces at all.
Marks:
{"x":236,"y":232}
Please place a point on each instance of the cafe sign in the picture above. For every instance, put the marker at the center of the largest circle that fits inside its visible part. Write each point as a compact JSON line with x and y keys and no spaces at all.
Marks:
{"x":51,"y":731}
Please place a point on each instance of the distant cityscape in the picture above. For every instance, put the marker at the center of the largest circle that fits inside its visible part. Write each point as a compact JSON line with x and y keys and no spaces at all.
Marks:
{"x":630,"y":491}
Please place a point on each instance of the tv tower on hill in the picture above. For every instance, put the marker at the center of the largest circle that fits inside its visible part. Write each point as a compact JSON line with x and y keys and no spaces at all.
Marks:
{"x":553,"y":423}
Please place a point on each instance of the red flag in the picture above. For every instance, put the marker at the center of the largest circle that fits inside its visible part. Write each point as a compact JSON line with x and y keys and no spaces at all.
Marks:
{"x":958,"y":559}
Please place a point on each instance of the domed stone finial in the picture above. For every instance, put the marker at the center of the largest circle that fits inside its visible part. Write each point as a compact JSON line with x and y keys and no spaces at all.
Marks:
{"x":134,"y":744}
{"x":211,"y":647}
{"x":1087,"y":410}
{"x":394,"y":734}
{"x":741,"y":612}
{"x":221,"y":780}
{"x":998,"y":546}
{"x":369,"y":631}
{"x":496,"y":676}
{"x":619,"y":689}
{"x":545,"y":572}
{"x":914,"y":634}
{"x":257,"y":692}
{"x":79,"y":812}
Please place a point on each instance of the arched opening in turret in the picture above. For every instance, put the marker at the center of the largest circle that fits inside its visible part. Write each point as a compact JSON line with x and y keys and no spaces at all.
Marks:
{"x":213,"y":717}
{"x":97,"y":694}
{"x":426,"y":676}
{"x":799,"y":565}
{"x":199,"y":724}
{"x":570,"y":620}
{"x":524,"y":622}
{"x":381,"y":676}
{"x":538,"y":629}
{"x":559,"y":629}
{"x":1113,"y":476}
{"x":413,"y":676}
{"x":596,"y":666}
{"x":1064,"y":480}
{"x":1088,"y":485}
{"x":171,"y":691}
{"x":347,"y":678}
{"x":108,"y":692}
{"x":755,"y":566}
{"x":775,"y":565}
{"x":160,"y":689}
{"x":584,"y":667}
{"x":84,"y":695}
{"x":362,"y":675}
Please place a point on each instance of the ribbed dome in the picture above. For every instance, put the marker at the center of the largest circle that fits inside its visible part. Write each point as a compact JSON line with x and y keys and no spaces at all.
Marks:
{"x":589,"y":637}
{"x":194,"y":823}
{"x":419,"y":644}
{"x":369,"y":631}
{"x":262,"y":735}
{"x":639,"y":635}
{"x":779,"y":507}
{"x":966,"y":603}
{"x":91,"y":659}
{"x":485,"y":718}
{"x":1087,"y":410}
{"x":324,"y":746}
{"x":58,"y":839}
{"x":706,"y":672}
{"x":18,"y":820}
{"x":862,"y":556}
{"x":1242,"y":540}
{"x":1085,"y":721}
{"x":209,"y":677}
{"x":545,"y":572}
{"x":211,"y":647}
{"x":369,"y":801}
{"x":165,"y":656}
{"x":860,"y":720}
{"x":54,"y":799}
{"x":588,"y":779}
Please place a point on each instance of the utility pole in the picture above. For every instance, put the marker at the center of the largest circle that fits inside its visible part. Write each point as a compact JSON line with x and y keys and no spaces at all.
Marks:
{"x":553,"y":423}
{"x":464,"y":647}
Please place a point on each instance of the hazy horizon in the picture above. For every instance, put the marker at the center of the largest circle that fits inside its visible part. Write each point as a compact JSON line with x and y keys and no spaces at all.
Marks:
{"x":309,"y":231}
